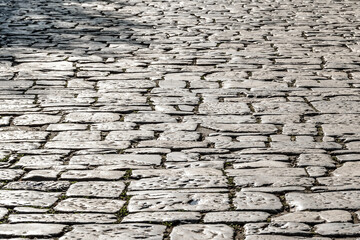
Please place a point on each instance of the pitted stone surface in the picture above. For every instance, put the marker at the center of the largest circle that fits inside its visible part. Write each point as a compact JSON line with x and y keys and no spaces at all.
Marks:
{"x":177,"y":117}
{"x":13,"y":198}
{"x":96,"y":189}
{"x":118,"y":231}
{"x":178,"y":201}
{"x":257,"y":201}
{"x":202,"y":232}
{"x":30,"y":230}
{"x":89,"y":205}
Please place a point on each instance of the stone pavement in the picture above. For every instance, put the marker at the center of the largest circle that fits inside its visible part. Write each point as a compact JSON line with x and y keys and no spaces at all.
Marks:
{"x":180,"y":120}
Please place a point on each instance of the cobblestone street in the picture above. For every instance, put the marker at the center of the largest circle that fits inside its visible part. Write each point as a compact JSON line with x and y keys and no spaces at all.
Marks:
{"x":180,"y":120}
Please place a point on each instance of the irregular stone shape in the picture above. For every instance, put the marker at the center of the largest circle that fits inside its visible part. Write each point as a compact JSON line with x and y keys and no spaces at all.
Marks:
{"x":258,"y":157}
{"x":15,"y":198}
{"x":158,"y":183}
{"x":30,"y":210}
{"x":282,"y":108}
{"x":190,"y":172}
{"x":275,"y":181}
{"x":66,"y":218}
{"x":348,"y":157}
{"x":315,"y":217}
{"x":78,"y":136}
{"x":324,"y":201}
{"x":85,"y":117}
{"x":316,"y":171}
{"x":35,"y":119}
{"x":282,"y":172}
{"x":160,"y":217}
{"x":173,"y":144}
{"x":40,"y":161}
{"x":338,"y":229}
{"x":199,"y":164}
{"x":126,"y":160}
{"x":66,"y":127}
{"x":112,"y":126}
{"x":288,"y":228}
{"x":235,"y":217}
{"x":257,"y":201}
{"x":338,"y":119}
{"x":348,"y":169}
{"x":45,"y":186}
{"x":299,"y":129}
{"x":23,"y":136}
{"x":92,"y":175}
{"x":165,"y":201}
{"x":322,"y":160}
{"x":31,"y":230}
{"x":306,"y":145}
{"x":202,"y":232}
{"x":89,"y":205}
{"x":220,"y":119}
{"x":10,"y":174}
{"x":87,"y":145}
{"x":182,"y":157}
{"x":243,"y":128}
{"x":38,"y":175}
{"x":130,"y":135}
{"x":337,"y":107}
{"x":115,"y":231}
{"x":170,"y":127}
{"x":3,"y":212}
{"x":340,"y":129}
{"x":223,"y":108}
{"x":96,"y":189}
{"x":149,"y":118}
{"x":179,"y":136}
{"x":261,"y":164}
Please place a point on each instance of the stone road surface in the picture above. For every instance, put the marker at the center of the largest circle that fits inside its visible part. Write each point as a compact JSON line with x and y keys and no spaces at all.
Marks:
{"x":180,"y":120}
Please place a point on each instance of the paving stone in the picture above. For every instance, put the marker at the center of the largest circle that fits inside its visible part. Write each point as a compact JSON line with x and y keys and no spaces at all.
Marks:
{"x":323,"y":201}
{"x":270,"y":172}
{"x":88,"y":145}
{"x":198,"y":231}
{"x":78,"y":136}
{"x":185,"y":172}
{"x":131,"y":135}
{"x":13,"y":198}
{"x":282,"y":237}
{"x":182,"y":157}
{"x":41,"y":175}
{"x":321,"y":160}
{"x":66,"y":218}
{"x":38,"y":185}
{"x":112,"y":126}
{"x":338,"y":229}
{"x":257,"y":201}
{"x":96,"y":189}
{"x":30,"y":210}
{"x":40,"y":161}
{"x":83,"y":117}
{"x":116,"y":231}
{"x":178,"y":201}
{"x":315,"y":217}
{"x":10,"y":174}
{"x":288,"y":228}
{"x":224,"y":108}
{"x":3,"y":212}
{"x":235,"y":217}
{"x":274,"y":181}
{"x":66,"y":127}
{"x":92,"y":175}
{"x":36,"y":119}
{"x":89,"y":205}
{"x":158,"y":183}
{"x":23,"y":136}
{"x":160,"y":217}
{"x":125,"y":160}
{"x":348,"y":169}
{"x":31,"y":230}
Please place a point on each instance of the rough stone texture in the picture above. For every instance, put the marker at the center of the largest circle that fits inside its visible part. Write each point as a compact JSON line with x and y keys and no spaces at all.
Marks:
{"x":30,"y":229}
{"x":197,"y":231}
{"x":168,"y":113}
{"x":118,"y":231}
{"x":89,"y":205}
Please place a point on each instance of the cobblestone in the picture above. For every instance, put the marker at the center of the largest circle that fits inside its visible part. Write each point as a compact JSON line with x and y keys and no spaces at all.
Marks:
{"x":168,"y":120}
